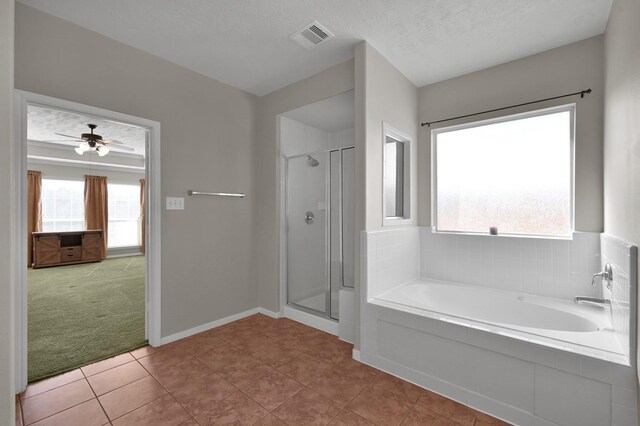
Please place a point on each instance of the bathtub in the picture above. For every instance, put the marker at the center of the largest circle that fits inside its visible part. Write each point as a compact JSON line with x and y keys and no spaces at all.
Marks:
{"x":550,"y":322}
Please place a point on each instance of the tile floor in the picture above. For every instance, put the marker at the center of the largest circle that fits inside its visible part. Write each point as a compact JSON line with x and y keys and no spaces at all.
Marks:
{"x":255,"y":371}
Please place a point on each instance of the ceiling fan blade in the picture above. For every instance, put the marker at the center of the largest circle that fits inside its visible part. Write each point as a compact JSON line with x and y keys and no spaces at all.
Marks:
{"x":64,"y":141}
{"x":111,"y":141}
{"x":67,"y":136}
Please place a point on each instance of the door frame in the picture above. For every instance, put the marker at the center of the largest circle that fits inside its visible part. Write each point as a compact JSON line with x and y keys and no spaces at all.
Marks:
{"x":19,"y":200}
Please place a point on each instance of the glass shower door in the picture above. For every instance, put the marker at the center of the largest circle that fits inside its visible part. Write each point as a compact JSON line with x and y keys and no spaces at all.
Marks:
{"x":307,"y":236}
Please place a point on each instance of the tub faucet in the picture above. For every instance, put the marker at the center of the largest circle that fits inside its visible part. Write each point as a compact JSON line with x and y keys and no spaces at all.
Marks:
{"x":606,"y":276}
{"x":594,"y":301}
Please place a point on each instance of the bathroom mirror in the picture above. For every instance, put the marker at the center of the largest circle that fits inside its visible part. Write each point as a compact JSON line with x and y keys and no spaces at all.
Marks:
{"x":396,"y":153}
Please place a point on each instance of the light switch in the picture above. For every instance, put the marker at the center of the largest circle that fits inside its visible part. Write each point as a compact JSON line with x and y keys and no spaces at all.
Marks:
{"x":175,"y":203}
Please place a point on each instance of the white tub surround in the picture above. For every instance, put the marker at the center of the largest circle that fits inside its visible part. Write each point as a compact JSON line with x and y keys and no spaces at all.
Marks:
{"x":622,"y":256}
{"x":517,"y":354}
{"x":393,"y":257}
{"x":546,"y":267}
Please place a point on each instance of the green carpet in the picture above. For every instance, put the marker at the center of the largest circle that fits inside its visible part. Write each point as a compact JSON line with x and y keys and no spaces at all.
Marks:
{"x":79,"y":314}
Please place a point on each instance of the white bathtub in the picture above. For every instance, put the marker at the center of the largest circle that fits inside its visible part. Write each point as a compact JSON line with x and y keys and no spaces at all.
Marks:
{"x":551,"y":322}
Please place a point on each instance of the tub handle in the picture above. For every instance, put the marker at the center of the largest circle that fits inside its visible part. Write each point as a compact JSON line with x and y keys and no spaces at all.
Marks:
{"x":606,"y":276}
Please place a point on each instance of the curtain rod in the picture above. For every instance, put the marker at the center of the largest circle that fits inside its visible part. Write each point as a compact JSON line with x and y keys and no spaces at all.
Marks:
{"x":581,"y":93}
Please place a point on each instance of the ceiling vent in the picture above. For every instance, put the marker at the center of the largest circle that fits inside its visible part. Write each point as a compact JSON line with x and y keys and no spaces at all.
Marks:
{"x":311,"y":35}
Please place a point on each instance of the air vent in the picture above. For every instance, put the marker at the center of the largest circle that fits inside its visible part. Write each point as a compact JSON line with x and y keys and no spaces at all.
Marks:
{"x":311,"y":35}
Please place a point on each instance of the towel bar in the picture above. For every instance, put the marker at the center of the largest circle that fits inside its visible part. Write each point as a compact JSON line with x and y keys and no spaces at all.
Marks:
{"x":217,"y":194}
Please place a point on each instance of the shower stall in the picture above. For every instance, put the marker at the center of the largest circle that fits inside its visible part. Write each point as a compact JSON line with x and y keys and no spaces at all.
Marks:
{"x":319,"y":229}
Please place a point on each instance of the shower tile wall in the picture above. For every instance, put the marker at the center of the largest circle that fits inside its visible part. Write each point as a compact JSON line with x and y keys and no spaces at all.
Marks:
{"x":545,"y":267}
{"x":623,"y":257}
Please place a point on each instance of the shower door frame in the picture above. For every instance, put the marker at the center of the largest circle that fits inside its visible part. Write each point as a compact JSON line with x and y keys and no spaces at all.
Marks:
{"x":285,"y":262}
{"x":327,"y":313}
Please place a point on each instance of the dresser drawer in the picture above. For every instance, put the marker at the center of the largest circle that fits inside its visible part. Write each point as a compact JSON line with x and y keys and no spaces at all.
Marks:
{"x":70,"y":254}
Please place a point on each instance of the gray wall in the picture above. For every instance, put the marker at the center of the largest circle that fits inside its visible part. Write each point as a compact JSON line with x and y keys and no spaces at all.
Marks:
{"x":555,"y":72}
{"x":7,"y":344}
{"x":207,"y":143}
{"x":392,"y":99}
{"x":330,"y":82}
{"x":622,"y":122}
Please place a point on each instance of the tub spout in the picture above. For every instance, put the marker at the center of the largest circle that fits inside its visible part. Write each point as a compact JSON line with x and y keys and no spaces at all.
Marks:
{"x":595,"y":301}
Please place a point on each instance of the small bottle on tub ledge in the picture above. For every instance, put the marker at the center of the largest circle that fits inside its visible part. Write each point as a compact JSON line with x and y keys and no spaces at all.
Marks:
{"x":493,"y":230}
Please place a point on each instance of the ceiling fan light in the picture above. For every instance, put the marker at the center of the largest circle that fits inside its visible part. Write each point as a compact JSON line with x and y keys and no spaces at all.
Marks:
{"x":84,"y":147}
{"x":79,"y":150}
{"x":102,"y":150}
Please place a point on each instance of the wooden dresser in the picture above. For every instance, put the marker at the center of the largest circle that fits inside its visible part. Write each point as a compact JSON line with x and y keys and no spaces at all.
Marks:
{"x":66,"y":248}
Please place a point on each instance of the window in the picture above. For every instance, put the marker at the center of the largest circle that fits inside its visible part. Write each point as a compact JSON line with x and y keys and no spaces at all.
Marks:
{"x":124,"y":215}
{"x":396,"y":153}
{"x":393,"y":177}
{"x":62,"y":205}
{"x":514,"y":173}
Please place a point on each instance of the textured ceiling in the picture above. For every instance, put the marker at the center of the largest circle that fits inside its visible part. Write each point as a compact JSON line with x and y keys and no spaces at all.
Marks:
{"x":332,"y":114}
{"x":44,"y":123}
{"x":245,"y":43}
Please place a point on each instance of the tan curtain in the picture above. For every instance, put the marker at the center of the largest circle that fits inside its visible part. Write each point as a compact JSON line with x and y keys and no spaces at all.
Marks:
{"x":96,"y":207}
{"x":143,"y":216}
{"x":34,"y":209}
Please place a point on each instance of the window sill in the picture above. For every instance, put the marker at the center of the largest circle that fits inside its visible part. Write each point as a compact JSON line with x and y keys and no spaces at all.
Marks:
{"x":396,"y":221}
{"x":482,"y":234}
{"x":124,"y":247}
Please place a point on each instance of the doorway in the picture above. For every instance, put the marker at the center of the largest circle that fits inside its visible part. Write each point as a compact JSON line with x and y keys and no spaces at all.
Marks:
{"x":67,"y":283}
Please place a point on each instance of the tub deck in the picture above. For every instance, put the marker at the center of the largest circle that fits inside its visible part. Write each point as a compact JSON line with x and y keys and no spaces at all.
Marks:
{"x":556,"y":323}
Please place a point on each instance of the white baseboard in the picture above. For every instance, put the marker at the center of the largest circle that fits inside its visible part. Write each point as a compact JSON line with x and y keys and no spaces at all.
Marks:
{"x":311,"y":320}
{"x":269,"y":313}
{"x":208,"y":326}
{"x":356,"y":354}
{"x":218,"y":323}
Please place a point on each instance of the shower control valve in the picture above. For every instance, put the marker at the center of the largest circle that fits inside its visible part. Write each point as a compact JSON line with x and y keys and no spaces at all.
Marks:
{"x":309,"y":217}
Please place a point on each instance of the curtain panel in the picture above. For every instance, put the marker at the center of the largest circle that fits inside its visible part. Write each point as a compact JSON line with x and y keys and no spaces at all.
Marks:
{"x":143,"y":215}
{"x":96,"y":207}
{"x":34,"y":209}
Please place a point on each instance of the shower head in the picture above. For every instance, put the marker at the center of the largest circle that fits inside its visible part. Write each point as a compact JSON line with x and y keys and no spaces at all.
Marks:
{"x":312,"y":161}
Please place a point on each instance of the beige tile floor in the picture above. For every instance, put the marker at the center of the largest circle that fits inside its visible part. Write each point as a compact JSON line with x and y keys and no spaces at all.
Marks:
{"x":255,"y":371}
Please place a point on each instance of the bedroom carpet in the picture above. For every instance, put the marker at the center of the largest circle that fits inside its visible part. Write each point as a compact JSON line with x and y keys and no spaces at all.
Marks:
{"x":79,"y":314}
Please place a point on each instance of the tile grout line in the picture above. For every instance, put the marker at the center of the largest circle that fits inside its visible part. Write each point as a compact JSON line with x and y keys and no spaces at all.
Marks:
{"x":166,"y":390}
{"x":135,"y":381}
{"x":62,"y":411}
{"x":53,"y":388}
{"x":96,"y":396}
{"x":87,"y":377}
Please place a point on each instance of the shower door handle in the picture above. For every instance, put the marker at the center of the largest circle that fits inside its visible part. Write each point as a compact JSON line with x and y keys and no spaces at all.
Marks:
{"x":308,"y":218}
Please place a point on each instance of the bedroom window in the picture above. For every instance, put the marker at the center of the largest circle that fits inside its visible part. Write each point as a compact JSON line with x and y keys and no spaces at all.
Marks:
{"x":514,"y":173}
{"x":62,"y":205}
{"x":124,"y":215}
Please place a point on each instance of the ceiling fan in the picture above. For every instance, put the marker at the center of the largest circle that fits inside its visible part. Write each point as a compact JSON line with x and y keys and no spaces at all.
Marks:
{"x":93,"y":141}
